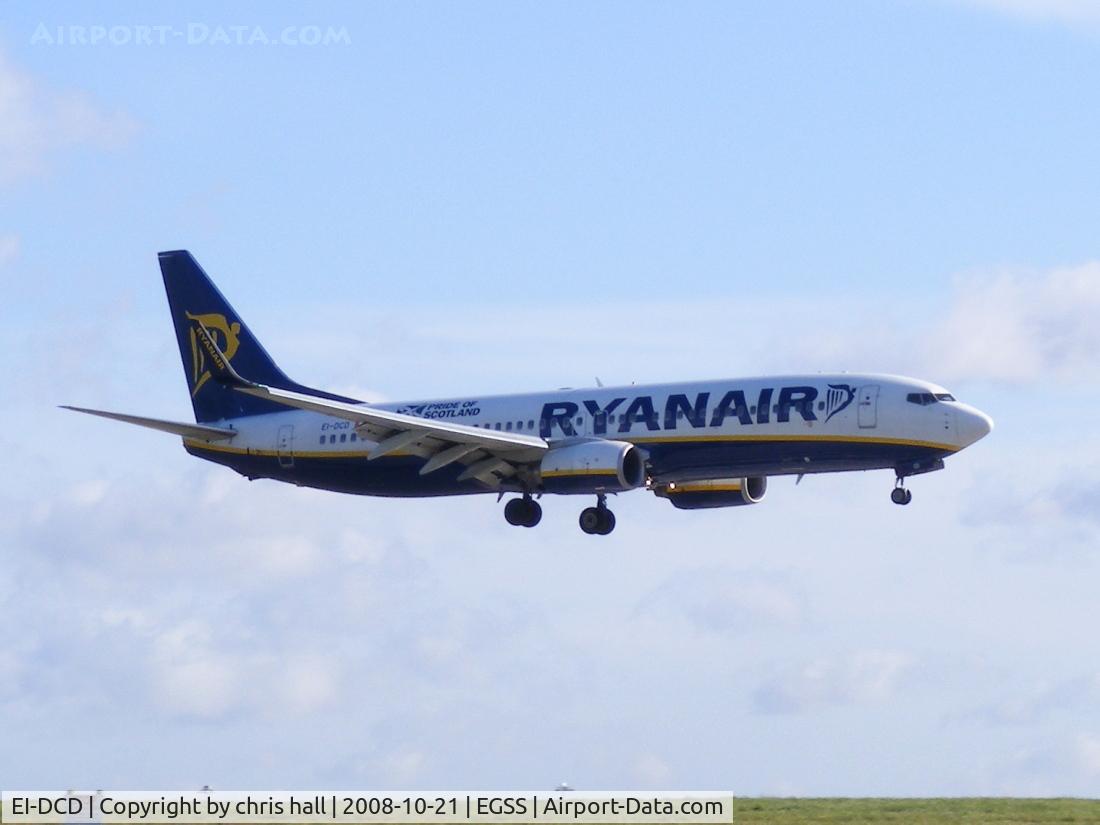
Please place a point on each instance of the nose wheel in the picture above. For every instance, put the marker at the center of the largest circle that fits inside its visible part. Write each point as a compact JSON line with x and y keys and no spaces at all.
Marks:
{"x":899,"y":495}
{"x":598,"y":520}
{"x":523,"y":512}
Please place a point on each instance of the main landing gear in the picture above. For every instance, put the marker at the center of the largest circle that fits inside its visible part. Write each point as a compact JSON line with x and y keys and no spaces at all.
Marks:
{"x":526,"y":512}
{"x":523,"y":512}
{"x":597,"y":520}
{"x":899,"y":495}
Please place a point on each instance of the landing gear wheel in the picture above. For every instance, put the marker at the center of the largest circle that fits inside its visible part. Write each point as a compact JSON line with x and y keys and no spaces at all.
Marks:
{"x":607,"y":521}
{"x":899,"y":495}
{"x":598,"y":520}
{"x":590,"y":520}
{"x":515,"y":512}
{"x":534,"y":513}
{"x":523,"y":512}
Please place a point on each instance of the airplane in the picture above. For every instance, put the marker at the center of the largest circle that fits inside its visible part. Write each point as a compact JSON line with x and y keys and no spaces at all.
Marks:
{"x":699,"y":445}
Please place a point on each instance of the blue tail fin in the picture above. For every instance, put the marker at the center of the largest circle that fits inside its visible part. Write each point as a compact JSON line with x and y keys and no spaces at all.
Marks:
{"x":193,"y":297}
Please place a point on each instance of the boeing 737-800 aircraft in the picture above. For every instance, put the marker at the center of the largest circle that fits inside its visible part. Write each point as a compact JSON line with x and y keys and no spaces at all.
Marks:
{"x":699,"y":445}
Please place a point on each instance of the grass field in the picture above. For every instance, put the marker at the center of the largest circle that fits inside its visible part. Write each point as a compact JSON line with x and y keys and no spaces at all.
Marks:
{"x":918,"y":811}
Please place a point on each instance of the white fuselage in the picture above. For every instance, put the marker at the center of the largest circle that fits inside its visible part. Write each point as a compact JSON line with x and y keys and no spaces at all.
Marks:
{"x":698,"y":430}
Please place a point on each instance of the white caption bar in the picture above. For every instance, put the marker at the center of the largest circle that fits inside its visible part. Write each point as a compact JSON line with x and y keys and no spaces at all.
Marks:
{"x":286,"y":807}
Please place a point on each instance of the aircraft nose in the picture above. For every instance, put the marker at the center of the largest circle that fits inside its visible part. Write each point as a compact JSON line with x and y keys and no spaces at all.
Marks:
{"x":973,"y":424}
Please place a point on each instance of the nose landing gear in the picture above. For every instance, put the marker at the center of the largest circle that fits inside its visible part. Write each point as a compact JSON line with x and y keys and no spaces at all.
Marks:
{"x":597,"y":520}
{"x":523,"y":512}
{"x":899,"y":495}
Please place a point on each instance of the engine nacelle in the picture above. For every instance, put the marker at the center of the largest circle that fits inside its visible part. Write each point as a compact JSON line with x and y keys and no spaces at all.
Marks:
{"x":592,"y":467}
{"x":718,"y":492}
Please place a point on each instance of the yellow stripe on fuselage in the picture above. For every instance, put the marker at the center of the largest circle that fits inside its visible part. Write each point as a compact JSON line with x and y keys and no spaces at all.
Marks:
{"x":684,"y":439}
{"x":225,"y":448}
{"x":781,"y":438}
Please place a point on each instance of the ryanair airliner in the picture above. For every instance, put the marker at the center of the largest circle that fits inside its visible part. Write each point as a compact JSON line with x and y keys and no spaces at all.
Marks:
{"x":698,"y":445}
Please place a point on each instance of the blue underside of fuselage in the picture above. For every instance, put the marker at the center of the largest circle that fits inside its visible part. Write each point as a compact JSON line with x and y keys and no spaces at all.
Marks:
{"x":399,"y":476}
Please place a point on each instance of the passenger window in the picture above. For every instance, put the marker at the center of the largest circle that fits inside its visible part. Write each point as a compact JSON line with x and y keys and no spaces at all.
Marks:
{"x":322,"y":439}
{"x":508,"y":426}
{"x":496,"y":426}
{"x":343,"y":437}
{"x":519,"y":425}
{"x":579,"y":421}
{"x":530,"y":424}
{"x":332,"y":439}
{"x":820,"y":406}
{"x":353,"y":437}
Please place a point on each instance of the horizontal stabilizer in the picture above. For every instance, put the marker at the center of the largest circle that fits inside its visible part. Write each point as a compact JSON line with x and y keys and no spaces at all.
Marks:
{"x":201,"y":432}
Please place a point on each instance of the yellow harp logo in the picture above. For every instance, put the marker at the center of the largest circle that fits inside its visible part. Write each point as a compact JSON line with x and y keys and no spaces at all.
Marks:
{"x":224,"y":334}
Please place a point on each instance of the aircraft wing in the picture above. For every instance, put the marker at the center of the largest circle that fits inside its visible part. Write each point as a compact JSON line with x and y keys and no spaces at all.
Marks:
{"x":490,"y":456}
{"x":200,"y":432}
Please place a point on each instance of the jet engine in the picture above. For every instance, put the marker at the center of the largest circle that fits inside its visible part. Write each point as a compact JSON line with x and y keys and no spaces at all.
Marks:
{"x":718,"y":492}
{"x":592,"y":467}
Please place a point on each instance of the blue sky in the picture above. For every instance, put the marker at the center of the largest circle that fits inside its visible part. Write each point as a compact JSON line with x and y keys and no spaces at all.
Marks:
{"x":483,"y":198}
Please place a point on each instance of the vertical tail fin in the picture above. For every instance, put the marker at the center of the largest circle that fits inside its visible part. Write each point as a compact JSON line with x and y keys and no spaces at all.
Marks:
{"x":193,"y":299}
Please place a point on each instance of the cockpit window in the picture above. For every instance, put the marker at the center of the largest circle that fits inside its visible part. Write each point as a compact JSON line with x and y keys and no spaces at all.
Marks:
{"x":925,"y":398}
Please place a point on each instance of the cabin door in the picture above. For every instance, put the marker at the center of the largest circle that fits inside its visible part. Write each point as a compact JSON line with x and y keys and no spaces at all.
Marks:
{"x":284,"y":446}
{"x":868,"y":406}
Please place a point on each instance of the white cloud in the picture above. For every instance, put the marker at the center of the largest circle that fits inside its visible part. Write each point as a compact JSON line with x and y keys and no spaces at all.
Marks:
{"x":190,"y":678}
{"x":91,"y":492}
{"x":1052,"y":518}
{"x":12,"y":668}
{"x":359,"y":628}
{"x":36,"y":122}
{"x":9,"y":246}
{"x":1020,"y":327}
{"x":652,"y":771}
{"x":1059,"y":11}
{"x":1037,"y":703}
{"x":1009,"y":327}
{"x":402,"y":766}
{"x":862,"y":677}
{"x":1088,"y":755}
{"x":310,"y":682}
{"x":722,"y":600}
